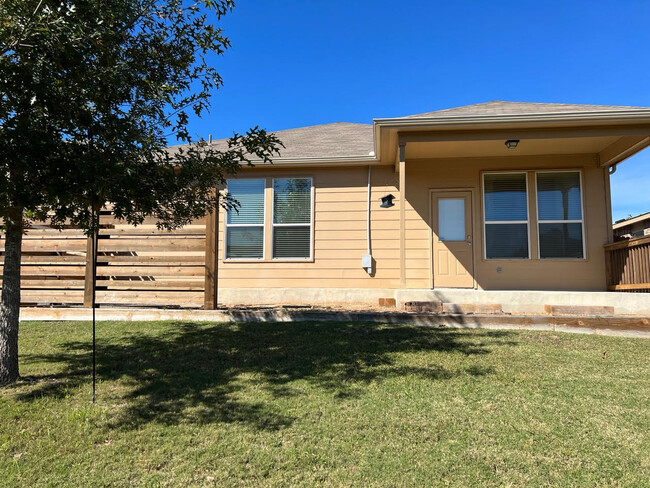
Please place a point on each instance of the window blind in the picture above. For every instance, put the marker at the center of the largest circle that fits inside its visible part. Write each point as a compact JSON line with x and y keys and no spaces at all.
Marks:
{"x":559,"y":210}
{"x":292,"y":218}
{"x":292,"y":201}
{"x":245,"y":242}
{"x":558,"y":196}
{"x":505,"y":197}
{"x":505,"y":202}
{"x":245,"y":223}
{"x":250,"y":196}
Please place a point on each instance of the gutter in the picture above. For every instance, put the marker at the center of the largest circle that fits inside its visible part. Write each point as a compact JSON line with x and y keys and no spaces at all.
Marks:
{"x":333,"y":161}
{"x":606,"y":117}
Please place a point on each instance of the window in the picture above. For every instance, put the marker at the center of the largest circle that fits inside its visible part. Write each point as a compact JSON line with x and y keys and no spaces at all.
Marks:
{"x":451,"y":219}
{"x":505,"y":206}
{"x":292,"y":218}
{"x":245,"y":225}
{"x":559,"y":215}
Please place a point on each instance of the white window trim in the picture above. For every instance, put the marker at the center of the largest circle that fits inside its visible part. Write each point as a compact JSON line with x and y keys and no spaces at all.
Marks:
{"x":486,"y":223}
{"x":262,"y":225}
{"x":310,"y":224}
{"x":581,"y":221}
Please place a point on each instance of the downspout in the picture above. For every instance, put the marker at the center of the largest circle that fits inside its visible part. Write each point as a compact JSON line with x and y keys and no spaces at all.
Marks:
{"x":368,"y":219}
{"x":366,"y":259}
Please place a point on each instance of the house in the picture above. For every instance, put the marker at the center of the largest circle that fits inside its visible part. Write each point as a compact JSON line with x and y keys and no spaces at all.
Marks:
{"x":486,"y":203}
{"x":637,"y":226}
{"x":492,"y":196}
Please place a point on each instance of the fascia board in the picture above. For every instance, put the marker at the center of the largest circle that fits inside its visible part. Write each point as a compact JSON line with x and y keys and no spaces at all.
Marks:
{"x":333,"y":161}
{"x":455,"y":122}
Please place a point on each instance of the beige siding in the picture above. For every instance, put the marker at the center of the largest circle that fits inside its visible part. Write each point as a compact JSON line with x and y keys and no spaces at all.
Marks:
{"x":340,"y":205}
{"x":340,"y":198}
{"x":533,"y":274}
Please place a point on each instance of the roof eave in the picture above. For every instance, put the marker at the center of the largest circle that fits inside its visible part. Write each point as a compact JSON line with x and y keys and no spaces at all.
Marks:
{"x":330,"y":161}
{"x":456,"y":121}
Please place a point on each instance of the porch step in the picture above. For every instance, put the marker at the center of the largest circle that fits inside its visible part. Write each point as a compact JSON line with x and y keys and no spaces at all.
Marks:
{"x":438,"y":307}
{"x":423,"y":307}
{"x":538,"y":302}
{"x":472,"y":308}
{"x":579,"y":310}
{"x":453,"y":308}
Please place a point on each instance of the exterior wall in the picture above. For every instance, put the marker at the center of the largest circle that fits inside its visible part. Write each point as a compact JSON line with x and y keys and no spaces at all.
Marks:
{"x":339,"y":218}
{"x":340,"y":202}
{"x":531,"y":274}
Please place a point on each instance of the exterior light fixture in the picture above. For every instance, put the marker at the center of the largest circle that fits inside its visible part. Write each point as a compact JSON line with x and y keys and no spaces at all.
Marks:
{"x":512,"y":143}
{"x":387,"y":201}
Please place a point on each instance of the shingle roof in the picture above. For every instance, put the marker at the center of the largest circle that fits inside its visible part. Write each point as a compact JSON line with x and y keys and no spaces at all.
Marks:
{"x":498,"y":107}
{"x":329,"y":140}
{"x":339,"y":139}
{"x":344,"y":139}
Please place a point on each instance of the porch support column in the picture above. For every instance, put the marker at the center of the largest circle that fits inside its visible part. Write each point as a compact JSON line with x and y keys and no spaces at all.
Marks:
{"x":402,"y":214}
{"x":608,"y":204}
{"x":211,"y":260}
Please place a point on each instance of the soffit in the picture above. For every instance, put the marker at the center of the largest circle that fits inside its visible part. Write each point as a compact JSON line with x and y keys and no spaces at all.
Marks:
{"x":497,"y":148}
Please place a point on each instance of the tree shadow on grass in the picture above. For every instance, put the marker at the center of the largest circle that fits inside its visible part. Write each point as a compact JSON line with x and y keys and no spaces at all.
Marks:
{"x":199,"y":373}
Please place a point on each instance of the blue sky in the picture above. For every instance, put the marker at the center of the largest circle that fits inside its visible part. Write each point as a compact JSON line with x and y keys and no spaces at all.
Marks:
{"x":296,"y":63}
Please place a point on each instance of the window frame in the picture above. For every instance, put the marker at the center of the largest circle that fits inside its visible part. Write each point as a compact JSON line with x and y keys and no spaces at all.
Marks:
{"x":581,"y":221}
{"x":263,"y":224}
{"x":310,"y":224}
{"x":485,"y":222}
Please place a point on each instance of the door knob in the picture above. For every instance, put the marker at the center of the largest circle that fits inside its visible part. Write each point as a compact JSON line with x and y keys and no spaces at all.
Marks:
{"x":469,"y":240}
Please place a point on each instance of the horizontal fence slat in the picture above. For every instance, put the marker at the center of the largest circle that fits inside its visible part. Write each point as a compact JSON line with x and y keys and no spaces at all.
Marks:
{"x":137,"y":265}
{"x":150,"y":271}
{"x":144,"y":244}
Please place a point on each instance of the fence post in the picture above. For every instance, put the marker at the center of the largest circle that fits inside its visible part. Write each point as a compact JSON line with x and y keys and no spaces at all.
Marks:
{"x":211,"y":259}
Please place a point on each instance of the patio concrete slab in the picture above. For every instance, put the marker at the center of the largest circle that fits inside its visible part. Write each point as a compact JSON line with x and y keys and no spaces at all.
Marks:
{"x":533,"y":302}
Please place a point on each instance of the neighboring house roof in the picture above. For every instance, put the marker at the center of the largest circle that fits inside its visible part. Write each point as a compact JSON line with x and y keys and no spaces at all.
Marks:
{"x":632,"y":220}
{"x":498,"y":107}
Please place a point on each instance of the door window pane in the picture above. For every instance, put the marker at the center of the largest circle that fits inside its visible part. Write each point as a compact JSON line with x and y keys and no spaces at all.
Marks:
{"x":451,"y":219}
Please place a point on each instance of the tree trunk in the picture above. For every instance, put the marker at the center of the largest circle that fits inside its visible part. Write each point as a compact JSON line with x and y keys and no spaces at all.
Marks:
{"x":10,"y":302}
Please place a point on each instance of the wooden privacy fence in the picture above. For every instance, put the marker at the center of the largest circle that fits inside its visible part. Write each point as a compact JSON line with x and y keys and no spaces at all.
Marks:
{"x":628,"y":265}
{"x":136,"y":266}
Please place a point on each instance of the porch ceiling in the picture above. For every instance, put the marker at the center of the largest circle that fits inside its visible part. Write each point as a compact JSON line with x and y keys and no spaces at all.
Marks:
{"x":497,"y":148}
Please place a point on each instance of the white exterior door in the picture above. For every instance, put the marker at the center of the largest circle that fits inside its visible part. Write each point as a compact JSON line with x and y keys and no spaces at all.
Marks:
{"x":453,"y":256}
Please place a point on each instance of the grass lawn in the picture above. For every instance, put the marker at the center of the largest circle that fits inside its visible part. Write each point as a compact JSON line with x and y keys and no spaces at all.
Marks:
{"x":325,"y":404}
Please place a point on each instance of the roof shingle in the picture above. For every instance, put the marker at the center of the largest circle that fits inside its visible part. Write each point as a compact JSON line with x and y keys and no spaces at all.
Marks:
{"x":345,"y":139}
{"x":498,"y":107}
{"x":340,"y":139}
